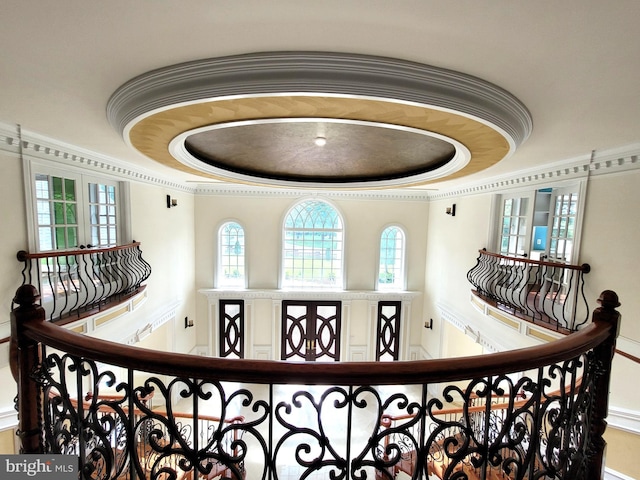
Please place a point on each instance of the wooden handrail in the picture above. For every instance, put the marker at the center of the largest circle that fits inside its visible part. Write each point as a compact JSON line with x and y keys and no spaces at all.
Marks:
{"x":585,"y":267}
{"x":24,"y":255}
{"x":349,"y":373}
{"x":33,"y":337}
{"x":633,"y":358}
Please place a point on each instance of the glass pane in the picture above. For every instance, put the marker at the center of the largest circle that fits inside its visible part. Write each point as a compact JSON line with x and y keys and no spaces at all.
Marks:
{"x":60,"y":238}
{"x":71,"y":213}
{"x":93,"y":195}
{"x":507,"y":207}
{"x":69,"y":190}
{"x":45,"y":238}
{"x":44,"y":212}
{"x":58,"y":209}
{"x":506,"y":225}
{"x":42,"y":186}
{"x":93,"y":214}
{"x":72,"y":237}
{"x":574,"y":205}
{"x":57,"y":188}
{"x":571,"y":227}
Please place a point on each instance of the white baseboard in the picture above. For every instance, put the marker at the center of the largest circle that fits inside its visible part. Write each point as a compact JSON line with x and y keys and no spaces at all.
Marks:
{"x":8,"y":419}
{"x":613,"y":475}
{"x":624,"y":419}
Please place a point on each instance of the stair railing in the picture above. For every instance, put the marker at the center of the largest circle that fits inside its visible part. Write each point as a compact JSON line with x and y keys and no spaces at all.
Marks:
{"x":544,"y":292}
{"x":77,"y":283}
{"x":304,"y":419}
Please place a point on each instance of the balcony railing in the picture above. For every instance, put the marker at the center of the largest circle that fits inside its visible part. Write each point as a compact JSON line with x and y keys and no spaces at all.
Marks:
{"x":77,"y":283}
{"x":544,"y":292}
{"x":280,"y":420}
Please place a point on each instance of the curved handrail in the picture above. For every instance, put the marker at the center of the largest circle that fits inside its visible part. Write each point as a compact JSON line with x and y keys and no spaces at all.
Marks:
{"x":353,"y":392}
{"x":548,"y":293}
{"x":350,"y":373}
{"x":585,"y":267}
{"x":76,"y":283}
{"x":23,"y":255}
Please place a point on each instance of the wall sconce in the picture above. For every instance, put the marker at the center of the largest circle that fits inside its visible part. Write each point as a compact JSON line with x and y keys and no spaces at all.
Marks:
{"x":188,"y":323}
{"x":171,"y":202}
{"x":451,"y":210}
{"x":429,"y":324}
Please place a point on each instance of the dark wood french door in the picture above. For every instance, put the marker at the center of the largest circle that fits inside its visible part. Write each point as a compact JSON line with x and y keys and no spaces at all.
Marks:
{"x":388,"y":331}
{"x":311,"y":331}
{"x":231,"y":329}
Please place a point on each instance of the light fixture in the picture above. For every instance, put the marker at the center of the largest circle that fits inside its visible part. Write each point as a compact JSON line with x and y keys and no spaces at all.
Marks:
{"x":171,"y":202}
{"x":320,"y":141}
{"x":451,"y":210}
{"x":188,"y":323}
{"x":429,"y":324}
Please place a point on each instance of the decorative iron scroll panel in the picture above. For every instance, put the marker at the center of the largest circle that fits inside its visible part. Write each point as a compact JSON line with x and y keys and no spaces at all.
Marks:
{"x":311,"y":330}
{"x":388,"y":331}
{"x":231,"y":332}
{"x":529,"y":425}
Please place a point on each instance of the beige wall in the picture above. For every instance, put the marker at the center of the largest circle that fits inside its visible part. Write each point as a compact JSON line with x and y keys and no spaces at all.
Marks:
{"x":14,"y":233}
{"x":262,"y":217}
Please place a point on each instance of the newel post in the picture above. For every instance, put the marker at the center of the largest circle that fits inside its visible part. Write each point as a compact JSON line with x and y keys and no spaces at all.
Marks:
{"x":26,"y":356}
{"x":603,"y":353}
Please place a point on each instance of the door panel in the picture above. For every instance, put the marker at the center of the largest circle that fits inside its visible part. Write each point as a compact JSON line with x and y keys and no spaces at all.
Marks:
{"x":231,"y":334}
{"x":310,"y":331}
{"x":388,"y":331}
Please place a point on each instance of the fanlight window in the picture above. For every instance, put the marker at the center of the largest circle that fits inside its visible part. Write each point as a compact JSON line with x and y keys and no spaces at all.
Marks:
{"x":312,"y":246}
{"x":231,"y":260}
{"x":391,"y":268}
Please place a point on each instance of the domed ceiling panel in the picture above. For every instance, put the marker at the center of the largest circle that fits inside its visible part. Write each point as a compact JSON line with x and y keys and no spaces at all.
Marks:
{"x":254,"y":119}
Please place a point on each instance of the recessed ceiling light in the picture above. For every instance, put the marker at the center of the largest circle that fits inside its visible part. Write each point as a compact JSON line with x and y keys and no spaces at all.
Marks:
{"x":320,"y":141}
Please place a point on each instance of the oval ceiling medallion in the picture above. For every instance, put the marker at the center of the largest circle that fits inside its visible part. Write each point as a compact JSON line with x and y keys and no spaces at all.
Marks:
{"x":312,"y":119}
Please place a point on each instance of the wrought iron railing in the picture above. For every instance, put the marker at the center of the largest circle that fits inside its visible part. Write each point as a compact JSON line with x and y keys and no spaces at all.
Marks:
{"x":544,"y":292}
{"x":77,"y":283}
{"x":313,"y":420}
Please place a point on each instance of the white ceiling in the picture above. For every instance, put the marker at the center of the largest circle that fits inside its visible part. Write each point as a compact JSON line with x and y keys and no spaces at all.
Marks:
{"x":575,"y":64}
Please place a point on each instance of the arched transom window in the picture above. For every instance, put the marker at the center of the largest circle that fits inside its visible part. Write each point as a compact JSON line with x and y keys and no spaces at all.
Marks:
{"x":391,"y":269}
{"x":312,"y":246}
{"x":231,"y":264}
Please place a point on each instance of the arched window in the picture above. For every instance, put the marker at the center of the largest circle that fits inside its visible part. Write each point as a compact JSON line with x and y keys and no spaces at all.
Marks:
{"x":312,"y":246}
{"x":231,"y":265}
{"x":391,"y":269}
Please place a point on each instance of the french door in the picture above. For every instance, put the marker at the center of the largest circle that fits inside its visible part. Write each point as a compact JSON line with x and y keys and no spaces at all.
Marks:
{"x":311,"y":331}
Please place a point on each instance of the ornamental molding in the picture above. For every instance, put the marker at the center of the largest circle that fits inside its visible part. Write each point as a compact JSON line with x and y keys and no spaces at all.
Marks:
{"x":223,"y":189}
{"x":611,"y":161}
{"x":331,"y":73}
{"x":213,"y":295}
{"x":34,"y":146}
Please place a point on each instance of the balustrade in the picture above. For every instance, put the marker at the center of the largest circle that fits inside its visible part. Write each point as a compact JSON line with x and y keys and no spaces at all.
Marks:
{"x":535,"y":413}
{"x":544,"y":292}
{"x":76,"y":283}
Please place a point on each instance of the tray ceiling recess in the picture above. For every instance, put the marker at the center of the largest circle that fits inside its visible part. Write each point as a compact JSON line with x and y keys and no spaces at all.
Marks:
{"x":317,"y":119}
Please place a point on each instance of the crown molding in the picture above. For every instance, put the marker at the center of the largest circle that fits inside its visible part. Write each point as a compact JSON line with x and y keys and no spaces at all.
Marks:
{"x":611,"y":161}
{"x":269,"y":73}
{"x":17,"y":141}
{"x":224,"y":189}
